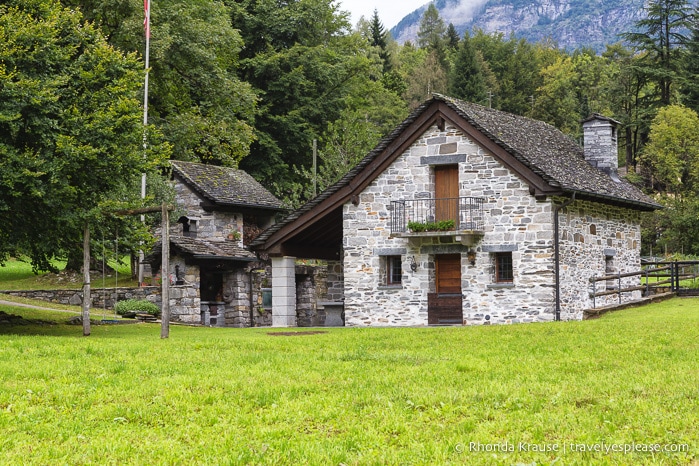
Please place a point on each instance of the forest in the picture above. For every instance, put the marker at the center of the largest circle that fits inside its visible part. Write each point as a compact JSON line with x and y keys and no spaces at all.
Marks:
{"x":253,"y":83}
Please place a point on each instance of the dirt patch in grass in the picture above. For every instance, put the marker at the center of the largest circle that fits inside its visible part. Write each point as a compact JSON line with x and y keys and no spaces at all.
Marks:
{"x":295,"y":334}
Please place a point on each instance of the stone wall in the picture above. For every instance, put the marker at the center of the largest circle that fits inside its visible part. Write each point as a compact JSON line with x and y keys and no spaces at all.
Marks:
{"x":515,"y":222}
{"x":185,"y":302}
{"x":185,"y":305}
{"x":212,"y":225}
{"x":334,"y":290}
{"x":596,"y":240}
{"x":262,"y":316}
{"x":101,"y":297}
{"x":310,"y":289}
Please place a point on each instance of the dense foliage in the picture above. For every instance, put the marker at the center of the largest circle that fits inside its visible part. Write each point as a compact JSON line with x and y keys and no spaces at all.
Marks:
{"x":70,"y":129}
{"x":253,"y":83}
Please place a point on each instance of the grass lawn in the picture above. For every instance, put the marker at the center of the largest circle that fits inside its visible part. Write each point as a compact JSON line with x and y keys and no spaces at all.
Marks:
{"x":448,"y":395}
{"x":18,"y":275}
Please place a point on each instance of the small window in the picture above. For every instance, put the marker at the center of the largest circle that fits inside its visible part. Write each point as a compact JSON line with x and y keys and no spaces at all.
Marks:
{"x":394,"y":270}
{"x":189,"y":226}
{"x":503,"y":267}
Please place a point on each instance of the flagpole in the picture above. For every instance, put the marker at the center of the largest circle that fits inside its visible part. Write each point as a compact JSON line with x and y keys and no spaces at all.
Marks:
{"x":146,"y":23}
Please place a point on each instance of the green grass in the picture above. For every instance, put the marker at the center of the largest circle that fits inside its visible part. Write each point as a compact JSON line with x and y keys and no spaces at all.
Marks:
{"x":18,"y":275}
{"x":353,"y":395}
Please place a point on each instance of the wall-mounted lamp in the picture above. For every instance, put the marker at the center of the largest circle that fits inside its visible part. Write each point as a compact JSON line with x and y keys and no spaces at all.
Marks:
{"x":471,"y":256}
{"x":413,"y":264}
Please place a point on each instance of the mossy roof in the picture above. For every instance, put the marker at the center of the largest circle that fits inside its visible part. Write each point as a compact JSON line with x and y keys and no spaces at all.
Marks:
{"x":225,"y":186}
{"x":203,"y":249}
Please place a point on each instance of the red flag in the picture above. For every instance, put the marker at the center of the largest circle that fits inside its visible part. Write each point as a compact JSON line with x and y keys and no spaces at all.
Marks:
{"x":146,"y":21}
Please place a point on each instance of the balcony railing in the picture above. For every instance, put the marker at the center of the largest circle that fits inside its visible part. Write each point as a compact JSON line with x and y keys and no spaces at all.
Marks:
{"x":465,"y":212}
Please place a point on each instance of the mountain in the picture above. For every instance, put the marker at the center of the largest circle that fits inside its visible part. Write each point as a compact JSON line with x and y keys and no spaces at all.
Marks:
{"x":569,"y":23}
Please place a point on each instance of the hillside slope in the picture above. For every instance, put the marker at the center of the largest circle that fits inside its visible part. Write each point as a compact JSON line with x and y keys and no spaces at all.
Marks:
{"x":569,"y":23}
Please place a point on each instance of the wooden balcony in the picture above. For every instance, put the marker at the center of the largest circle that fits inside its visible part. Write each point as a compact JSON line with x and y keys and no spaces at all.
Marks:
{"x":460,"y":217}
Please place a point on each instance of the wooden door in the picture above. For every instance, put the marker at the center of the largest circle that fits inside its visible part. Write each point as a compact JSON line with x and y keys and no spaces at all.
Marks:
{"x":445,"y":306}
{"x":446,"y":193}
{"x":448,"y":272}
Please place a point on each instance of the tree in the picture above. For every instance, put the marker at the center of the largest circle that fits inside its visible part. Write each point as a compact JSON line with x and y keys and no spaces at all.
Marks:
{"x":425,"y":79}
{"x":515,"y":65}
{"x":466,"y":79}
{"x":452,"y":37}
{"x":662,"y":35}
{"x":431,"y":35}
{"x":367,"y":117}
{"x":555,"y":101}
{"x":627,"y":92}
{"x":70,"y":130}
{"x":672,"y":160}
{"x":672,"y":152}
{"x":690,"y":70}
{"x":307,"y":66}
{"x":195,"y":96}
{"x":379,"y":39}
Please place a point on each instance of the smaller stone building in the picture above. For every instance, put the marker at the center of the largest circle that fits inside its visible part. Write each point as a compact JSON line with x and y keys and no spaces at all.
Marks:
{"x":216,"y":280}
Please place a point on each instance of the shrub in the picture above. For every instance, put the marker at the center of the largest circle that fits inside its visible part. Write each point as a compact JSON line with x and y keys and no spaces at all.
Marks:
{"x":136,"y":305}
{"x":442,"y":225}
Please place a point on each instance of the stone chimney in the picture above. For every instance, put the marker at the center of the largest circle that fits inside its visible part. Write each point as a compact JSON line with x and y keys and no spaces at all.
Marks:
{"x":600,"y":144}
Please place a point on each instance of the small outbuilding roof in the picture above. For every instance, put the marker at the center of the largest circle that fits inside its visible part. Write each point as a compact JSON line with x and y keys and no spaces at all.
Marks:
{"x":225,"y":186}
{"x":201,"y":249}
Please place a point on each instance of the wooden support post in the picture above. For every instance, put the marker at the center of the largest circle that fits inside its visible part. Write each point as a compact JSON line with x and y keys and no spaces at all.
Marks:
{"x":87,"y":299}
{"x":165,"y":274}
{"x":619,"y":287}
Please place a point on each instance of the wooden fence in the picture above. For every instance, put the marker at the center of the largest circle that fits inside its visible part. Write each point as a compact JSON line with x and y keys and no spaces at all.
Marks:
{"x":678,"y":277}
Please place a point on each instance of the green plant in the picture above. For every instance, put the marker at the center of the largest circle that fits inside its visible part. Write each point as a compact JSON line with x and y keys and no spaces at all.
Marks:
{"x":136,"y":305}
{"x":442,"y":225}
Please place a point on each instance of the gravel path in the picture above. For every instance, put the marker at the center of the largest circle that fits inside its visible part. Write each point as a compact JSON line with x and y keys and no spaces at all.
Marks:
{"x":31,"y":306}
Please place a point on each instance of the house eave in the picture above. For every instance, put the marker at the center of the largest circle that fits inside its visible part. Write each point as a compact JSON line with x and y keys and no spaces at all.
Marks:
{"x":612,"y":200}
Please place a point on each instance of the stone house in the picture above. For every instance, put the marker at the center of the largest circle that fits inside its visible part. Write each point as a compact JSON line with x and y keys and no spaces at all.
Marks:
{"x":216,"y":279}
{"x":466,"y":215}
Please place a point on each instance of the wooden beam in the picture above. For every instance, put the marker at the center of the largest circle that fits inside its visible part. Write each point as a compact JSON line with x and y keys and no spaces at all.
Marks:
{"x":309,"y":252}
{"x":165,"y":275}
{"x":87,"y":299}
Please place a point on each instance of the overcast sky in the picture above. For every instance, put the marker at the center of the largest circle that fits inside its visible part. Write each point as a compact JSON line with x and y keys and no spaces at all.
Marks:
{"x":390,"y":12}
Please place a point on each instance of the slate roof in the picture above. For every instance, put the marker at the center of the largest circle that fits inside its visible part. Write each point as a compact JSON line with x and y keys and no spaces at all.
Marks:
{"x":549,"y":153}
{"x":202,"y":249}
{"x":555,"y":157}
{"x":225,"y":186}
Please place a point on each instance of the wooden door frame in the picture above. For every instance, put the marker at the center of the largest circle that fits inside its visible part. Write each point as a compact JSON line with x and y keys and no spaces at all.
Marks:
{"x":444,"y":307}
{"x":446,"y":186}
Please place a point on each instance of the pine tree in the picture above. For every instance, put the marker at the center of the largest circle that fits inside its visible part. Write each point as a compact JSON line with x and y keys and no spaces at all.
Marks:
{"x":452,"y":37}
{"x":466,"y":79}
{"x":661,"y":36}
{"x":690,"y":84}
{"x":431,"y":34}
{"x":379,"y":39}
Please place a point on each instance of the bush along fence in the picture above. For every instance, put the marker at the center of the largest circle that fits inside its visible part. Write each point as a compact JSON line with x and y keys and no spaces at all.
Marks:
{"x":678,"y":277}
